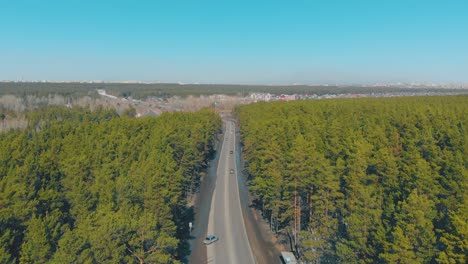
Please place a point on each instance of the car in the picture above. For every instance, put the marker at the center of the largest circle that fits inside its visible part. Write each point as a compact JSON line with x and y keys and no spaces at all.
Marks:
{"x":210,"y":239}
{"x":230,"y":152}
{"x":231,"y":171}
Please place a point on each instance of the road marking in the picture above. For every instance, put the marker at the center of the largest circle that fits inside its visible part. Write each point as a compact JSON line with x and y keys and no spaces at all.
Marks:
{"x":230,"y":249}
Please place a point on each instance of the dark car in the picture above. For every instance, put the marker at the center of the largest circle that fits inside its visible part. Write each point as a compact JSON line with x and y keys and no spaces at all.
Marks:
{"x":230,"y":152}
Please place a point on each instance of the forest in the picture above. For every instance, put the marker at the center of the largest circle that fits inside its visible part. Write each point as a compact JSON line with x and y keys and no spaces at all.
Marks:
{"x":362,"y":180}
{"x":81,"y":186}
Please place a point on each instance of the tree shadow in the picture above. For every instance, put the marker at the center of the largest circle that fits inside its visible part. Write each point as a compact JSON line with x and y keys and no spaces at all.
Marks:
{"x":184,"y":216}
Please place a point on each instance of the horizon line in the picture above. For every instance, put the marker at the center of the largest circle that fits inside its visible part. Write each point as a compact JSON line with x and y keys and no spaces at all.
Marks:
{"x":375,"y":84}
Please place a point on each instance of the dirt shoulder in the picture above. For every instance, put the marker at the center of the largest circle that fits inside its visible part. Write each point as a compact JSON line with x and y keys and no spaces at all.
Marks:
{"x":264,"y":244}
{"x":202,"y":204}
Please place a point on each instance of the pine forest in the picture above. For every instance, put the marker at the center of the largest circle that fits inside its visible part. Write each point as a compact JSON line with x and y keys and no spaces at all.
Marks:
{"x":362,"y":180}
{"x":92,"y":187}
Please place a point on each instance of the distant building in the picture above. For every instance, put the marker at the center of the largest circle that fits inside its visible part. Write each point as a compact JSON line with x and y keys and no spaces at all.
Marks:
{"x":285,"y":97}
{"x":266,"y":97}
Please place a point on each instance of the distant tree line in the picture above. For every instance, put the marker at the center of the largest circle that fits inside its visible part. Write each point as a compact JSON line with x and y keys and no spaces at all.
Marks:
{"x":165,"y":90}
{"x":362,"y":180}
{"x":91,"y":187}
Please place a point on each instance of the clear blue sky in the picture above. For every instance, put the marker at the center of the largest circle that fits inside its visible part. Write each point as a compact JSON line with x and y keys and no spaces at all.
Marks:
{"x":348,"y":41}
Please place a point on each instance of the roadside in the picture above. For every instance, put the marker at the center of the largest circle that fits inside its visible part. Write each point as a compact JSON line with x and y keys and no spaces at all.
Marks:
{"x":263,"y":242}
{"x":202,"y":204}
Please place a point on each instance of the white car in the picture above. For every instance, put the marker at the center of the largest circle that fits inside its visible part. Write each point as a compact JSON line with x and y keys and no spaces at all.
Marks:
{"x":210,"y":239}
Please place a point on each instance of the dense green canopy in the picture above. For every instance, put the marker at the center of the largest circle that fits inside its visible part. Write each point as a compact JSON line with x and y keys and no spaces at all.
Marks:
{"x":93,"y":187}
{"x":363,"y":180}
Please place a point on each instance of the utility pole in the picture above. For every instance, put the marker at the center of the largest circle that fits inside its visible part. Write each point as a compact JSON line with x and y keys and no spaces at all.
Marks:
{"x":297,"y":213}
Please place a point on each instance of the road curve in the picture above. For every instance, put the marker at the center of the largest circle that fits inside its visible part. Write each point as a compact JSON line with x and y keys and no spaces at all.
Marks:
{"x":225,"y":218}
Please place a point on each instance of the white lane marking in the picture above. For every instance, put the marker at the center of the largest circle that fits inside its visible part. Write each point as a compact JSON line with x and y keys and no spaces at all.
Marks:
{"x":227,"y":217}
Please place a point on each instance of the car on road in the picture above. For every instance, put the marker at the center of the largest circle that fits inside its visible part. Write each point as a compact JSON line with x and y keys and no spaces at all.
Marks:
{"x":230,"y":152}
{"x":231,"y":171}
{"x":210,"y":239}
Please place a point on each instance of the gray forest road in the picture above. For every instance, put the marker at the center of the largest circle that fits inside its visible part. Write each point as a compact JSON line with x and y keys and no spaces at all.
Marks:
{"x":259,"y":237}
{"x":226,"y":217}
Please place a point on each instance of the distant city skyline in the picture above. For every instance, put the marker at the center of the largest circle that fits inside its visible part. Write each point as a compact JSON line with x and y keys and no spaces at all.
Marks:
{"x":236,"y":42}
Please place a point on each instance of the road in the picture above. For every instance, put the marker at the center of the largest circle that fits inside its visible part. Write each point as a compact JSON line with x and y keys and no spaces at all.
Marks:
{"x":226,"y":216}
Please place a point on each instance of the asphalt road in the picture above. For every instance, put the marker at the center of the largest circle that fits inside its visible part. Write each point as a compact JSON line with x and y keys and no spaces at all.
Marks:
{"x":226,"y":217}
